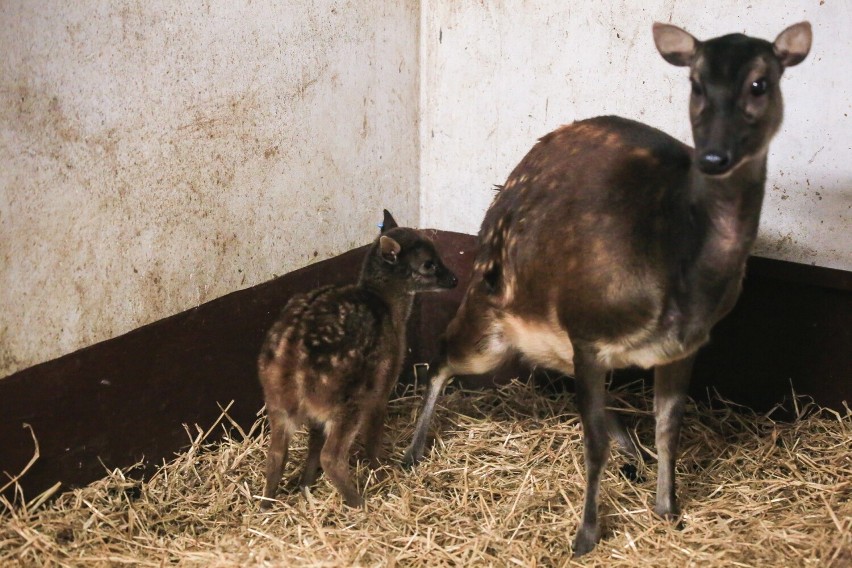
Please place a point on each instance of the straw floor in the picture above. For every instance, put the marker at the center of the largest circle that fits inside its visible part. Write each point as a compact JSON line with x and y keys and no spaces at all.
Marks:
{"x":502,"y":486}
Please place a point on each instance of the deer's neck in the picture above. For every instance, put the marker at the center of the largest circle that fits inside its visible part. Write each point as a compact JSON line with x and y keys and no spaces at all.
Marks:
{"x":398,"y":299}
{"x":724,"y":213}
{"x":730,"y":207}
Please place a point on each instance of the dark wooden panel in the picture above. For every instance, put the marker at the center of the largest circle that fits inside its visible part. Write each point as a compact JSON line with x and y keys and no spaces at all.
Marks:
{"x":128,"y":398}
{"x":791,"y":329}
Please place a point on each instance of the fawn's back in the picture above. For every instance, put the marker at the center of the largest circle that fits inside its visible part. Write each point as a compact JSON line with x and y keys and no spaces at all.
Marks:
{"x":327,"y":348}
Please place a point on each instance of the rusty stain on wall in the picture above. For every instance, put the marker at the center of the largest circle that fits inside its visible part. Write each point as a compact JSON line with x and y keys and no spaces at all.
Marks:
{"x":158,"y":155}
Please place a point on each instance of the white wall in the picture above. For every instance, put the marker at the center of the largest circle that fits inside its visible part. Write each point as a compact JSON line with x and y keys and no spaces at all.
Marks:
{"x":498,"y":75}
{"x":155,"y":155}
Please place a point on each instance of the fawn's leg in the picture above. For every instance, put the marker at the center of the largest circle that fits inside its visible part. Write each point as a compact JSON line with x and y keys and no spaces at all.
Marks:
{"x":281,"y":429}
{"x":316,"y":440}
{"x":374,"y":429}
{"x":334,"y":456}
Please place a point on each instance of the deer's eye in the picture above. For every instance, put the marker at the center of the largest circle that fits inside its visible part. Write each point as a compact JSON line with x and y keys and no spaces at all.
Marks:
{"x":697,"y":90}
{"x":428,"y":267}
{"x":758,"y":87}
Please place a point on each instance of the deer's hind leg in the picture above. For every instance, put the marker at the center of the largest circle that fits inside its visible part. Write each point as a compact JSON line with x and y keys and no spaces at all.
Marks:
{"x":627,"y":446}
{"x":473,"y":344}
{"x":316,"y":439}
{"x":281,"y":430}
{"x":334,"y":457}
{"x":591,"y":397}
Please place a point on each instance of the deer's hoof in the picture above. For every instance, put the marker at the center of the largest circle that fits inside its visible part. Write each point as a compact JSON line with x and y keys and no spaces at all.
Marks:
{"x":354,"y":501}
{"x":631,"y":473}
{"x":585,"y":541}
{"x":670,"y":514}
{"x":667,"y":512}
{"x":410,"y":459}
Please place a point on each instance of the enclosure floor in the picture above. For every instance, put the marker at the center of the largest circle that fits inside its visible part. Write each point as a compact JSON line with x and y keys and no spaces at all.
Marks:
{"x":501,"y":486}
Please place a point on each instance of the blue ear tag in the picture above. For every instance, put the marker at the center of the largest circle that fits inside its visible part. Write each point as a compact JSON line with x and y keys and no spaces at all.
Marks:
{"x":381,"y":226}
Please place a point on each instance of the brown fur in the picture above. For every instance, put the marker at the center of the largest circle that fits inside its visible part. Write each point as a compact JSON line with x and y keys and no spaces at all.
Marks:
{"x":333,"y":356}
{"x":613,"y":244}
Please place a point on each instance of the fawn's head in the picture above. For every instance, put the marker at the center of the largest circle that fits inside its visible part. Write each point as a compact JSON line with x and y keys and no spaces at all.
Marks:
{"x":735,"y":105}
{"x":406,"y":257}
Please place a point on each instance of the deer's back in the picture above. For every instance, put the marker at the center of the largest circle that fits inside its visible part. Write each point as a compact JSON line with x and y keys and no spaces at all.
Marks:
{"x":586,"y":232}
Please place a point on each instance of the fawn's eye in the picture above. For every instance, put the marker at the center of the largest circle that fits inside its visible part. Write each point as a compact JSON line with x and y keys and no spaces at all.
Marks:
{"x":759,"y":87}
{"x":697,"y":90}
{"x":429,"y":266}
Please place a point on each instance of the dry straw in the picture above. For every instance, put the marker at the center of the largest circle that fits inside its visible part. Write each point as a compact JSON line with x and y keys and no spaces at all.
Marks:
{"x":501,"y":487}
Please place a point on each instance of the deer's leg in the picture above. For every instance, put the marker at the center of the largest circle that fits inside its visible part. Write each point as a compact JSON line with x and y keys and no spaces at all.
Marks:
{"x":472,"y":345}
{"x":591,"y":401}
{"x":281,"y":428}
{"x":334,"y":457}
{"x":618,"y":432}
{"x":374,"y":429}
{"x":670,"y":385}
{"x":316,"y":440}
{"x":437,"y":380}
{"x":628,"y":447}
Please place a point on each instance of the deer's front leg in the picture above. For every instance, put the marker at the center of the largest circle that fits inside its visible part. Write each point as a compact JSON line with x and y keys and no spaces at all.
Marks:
{"x":591,"y":401}
{"x":670,"y":386}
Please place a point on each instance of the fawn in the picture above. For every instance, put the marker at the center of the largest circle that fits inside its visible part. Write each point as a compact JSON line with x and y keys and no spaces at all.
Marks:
{"x":334,"y":354}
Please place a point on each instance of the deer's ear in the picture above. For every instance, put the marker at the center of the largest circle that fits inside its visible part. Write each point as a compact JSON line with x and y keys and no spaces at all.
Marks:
{"x":677,"y":46}
{"x":389,"y":249}
{"x":388,"y":222}
{"x":793,"y":44}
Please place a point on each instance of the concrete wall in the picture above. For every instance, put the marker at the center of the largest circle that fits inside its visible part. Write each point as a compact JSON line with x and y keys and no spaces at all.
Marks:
{"x":155,"y":155}
{"x":498,"y":75}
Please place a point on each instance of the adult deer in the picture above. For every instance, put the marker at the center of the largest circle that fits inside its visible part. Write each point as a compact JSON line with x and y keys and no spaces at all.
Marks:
{"x":613,"y":244}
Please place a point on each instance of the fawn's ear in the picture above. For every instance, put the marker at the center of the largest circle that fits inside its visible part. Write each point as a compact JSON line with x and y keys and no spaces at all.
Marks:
{"x":793,"y":44}
{"x":389,"y":249}
{"x":677,"y":46}
{"x":388,"y":222}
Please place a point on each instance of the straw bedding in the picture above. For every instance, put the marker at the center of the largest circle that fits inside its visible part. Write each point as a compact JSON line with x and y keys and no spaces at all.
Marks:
{"x":502,"y":486}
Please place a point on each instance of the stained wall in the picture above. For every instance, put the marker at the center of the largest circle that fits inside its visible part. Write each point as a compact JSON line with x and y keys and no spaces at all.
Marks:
{"x":155,"y":155}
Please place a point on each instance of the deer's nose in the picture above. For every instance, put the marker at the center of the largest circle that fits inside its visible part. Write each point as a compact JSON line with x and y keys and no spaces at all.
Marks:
{"x":714,"y":162}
